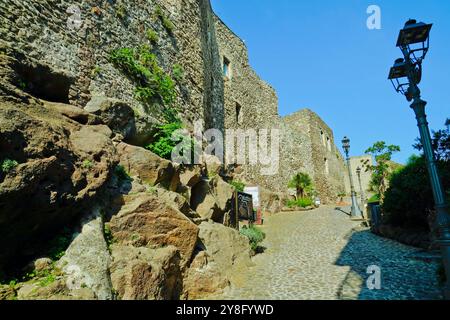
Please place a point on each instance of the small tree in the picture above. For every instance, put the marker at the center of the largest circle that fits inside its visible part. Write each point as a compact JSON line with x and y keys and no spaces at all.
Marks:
{"x":382,"y":170}
{"x":440,"y":143}
{"x":302,"y":183}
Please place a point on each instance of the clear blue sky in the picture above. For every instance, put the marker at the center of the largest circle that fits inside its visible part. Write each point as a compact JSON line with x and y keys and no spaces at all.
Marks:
{"x":321,"y":55}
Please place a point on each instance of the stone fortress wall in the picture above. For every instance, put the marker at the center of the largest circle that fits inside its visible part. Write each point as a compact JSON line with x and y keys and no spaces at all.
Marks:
{"x":307,"y":143}
{"x":74,"y":63}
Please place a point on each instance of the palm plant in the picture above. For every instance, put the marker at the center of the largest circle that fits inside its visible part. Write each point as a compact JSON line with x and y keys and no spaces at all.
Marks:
{"x":302,"y":183}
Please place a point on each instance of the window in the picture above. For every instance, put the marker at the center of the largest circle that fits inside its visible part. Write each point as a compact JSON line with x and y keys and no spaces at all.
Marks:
{"x":329,"y":143}
{"x":239,"y":118}
{"x":327,"y":168}
{"x":226,"y":67}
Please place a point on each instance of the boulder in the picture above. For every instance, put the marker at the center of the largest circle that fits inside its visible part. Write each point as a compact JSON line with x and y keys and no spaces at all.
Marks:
{"x":62,"y":169}
{"x":212,"y":164}
{"x":136,"y":126}
{"x":212,"y":199}
{"x":74,"y":113}
{"x":144,"y":220}
{"x":146,"y":274}
{"x":116,"y":114}
{"x":190,"y":176}
{"x":178,"y":201}
{"x":226,"y":254}
{"x":86,"y":261}
{"x":147,"y":166}
{"x":224,"y":194}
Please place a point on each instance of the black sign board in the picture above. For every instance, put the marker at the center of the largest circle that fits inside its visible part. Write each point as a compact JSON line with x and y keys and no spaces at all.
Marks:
{"x":244,"y":205}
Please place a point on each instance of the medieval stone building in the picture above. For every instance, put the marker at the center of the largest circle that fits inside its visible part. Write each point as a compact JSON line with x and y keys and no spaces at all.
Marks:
{"x":66,"y":48}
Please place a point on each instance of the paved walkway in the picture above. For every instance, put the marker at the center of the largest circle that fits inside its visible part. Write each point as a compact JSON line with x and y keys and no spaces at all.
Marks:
{"x":323,"y":255}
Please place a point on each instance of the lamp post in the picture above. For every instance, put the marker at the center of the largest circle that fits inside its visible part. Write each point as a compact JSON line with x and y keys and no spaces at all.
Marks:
{"x":363,"y":196}
{"x":405,"y":75}
{"x":356,"y":212}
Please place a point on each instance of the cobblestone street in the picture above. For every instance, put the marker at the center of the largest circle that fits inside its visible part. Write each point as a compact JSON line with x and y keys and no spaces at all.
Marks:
{"x":323,"y":255}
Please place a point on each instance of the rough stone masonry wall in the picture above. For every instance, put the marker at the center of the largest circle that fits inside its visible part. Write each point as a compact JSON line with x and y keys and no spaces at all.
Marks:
{"x":39,"y":30}
{"x":243,"y":89}
{"x":327,"y":161}
{"x":301,"y":148}
{"x":200,"y":40}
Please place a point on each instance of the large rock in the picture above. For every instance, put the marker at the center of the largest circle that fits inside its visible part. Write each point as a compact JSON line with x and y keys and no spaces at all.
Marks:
{"x":86,"y":261}
{"x":146,"y":221}
{"x":62,"y":168}
{"x":212,"y":164}
{"x":190,"y":176}
{"x":74,"y":113}
{"x":147,"y":166}
{"x":116,"y":114}
{"x":136,"y":126}
{"x":178,"y":201}
{"x":226,"y":254}
{"x":212,"y":199}
{"x":146,"y":274}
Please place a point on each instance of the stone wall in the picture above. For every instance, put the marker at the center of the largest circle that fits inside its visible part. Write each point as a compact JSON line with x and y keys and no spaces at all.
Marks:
{"x":76,"y":57}
{"x":44,"y":31}
{"x":324,"y":159}
{"x":250,"y":103}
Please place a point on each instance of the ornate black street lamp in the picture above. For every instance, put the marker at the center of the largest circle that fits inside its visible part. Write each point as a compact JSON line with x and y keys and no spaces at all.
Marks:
{"x":405,"y":75}
{"x":363,"y":196}
{"x":356,"y":212}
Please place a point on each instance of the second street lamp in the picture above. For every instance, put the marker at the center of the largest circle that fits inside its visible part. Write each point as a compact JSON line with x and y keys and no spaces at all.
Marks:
{"x":363,"y":196}
{"x":356,"y":212}
{"x":406,"y":74}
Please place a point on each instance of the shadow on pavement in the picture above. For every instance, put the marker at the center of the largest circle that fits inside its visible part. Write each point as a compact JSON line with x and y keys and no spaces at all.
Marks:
{"x":402,"y":277}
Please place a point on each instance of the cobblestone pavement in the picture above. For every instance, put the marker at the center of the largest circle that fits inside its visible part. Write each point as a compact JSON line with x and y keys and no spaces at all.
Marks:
{"x":323,"y":255}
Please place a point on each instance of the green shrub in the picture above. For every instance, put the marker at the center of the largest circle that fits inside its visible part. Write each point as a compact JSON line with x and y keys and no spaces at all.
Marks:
{"x":300,"y":203}
{"x":238,"y":186}
{"x":8,"y":165}
{"x":409,"y":196}
{"x":152,"y":36}
{"x":47,"y":280}
{"x":166,"y":139}
{"x":254,"y":235}
{"x":302,"y":183}
{"x":152,"y":82}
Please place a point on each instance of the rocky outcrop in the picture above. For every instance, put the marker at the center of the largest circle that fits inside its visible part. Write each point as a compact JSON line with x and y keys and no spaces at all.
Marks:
{"x":146,"y":274}
{"x":212,"y":199}
{"x":146,"y":221}
{"x":62,"y":168}
{"x":147,"y":166}
{"x":86,"y":262}
{"x":116,"y":114}
{"x":225,"y":254}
